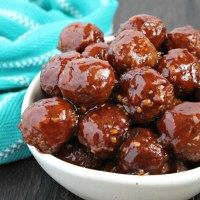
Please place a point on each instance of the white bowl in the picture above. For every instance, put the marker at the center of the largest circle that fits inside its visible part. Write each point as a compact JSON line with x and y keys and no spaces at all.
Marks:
{"x":98,"y":185}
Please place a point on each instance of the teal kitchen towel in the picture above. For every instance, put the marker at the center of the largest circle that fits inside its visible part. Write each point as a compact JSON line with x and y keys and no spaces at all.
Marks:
{"x":29,"y":32}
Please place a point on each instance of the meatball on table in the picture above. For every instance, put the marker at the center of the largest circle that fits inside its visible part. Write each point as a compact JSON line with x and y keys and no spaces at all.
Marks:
{"x":25,"y":179}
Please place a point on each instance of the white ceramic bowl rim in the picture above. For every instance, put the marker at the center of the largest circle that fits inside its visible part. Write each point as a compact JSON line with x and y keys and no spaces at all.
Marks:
{"x":150,"y":180}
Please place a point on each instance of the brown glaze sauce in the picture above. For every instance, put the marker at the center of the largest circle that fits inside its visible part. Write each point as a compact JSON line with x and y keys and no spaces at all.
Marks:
{"x":48,"y":123}
{"x":96,"y":50}
{"x":141,"y":154}
{"x":87,"y":81}
{"x":52,"y":70}
{"x":145,"y":94}
{"x":102,"y":130}
{"x":152,"y":27}
{"x":75,"y":154}
{"x":182,"y":69}
{"x":131,"y":49}
{"x":180,"y":128}
{"x":77,"y":36}
{"x":185,"y":37}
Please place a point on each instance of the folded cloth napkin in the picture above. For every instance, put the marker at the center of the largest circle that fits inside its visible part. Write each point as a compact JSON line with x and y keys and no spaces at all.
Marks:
{"x":29,"y":31}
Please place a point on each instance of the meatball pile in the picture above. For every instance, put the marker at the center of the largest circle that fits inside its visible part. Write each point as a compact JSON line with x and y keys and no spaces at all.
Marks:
{"x":129,"y":106}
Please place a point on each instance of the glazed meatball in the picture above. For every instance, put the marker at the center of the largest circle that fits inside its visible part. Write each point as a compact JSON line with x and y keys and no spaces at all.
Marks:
{"x":97,"y":50}
{"x":185,"y":37}
{"x":180,"y":129}
{"x":101,"y":130}
{"x":77,"y":155}
{"x":142,"y":154}
{"x":131,"y":49}
{"x":48,"y":123}
{"x":152,"y":27}
{"x":77,"y":36}
{"x":87,"y":82}
{"x":52,"y":70}
{"x":145,"y":94}
{"x":182,"y":69}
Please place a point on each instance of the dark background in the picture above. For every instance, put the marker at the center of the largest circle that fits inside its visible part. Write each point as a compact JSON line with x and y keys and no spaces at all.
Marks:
{"x":26,"y":179}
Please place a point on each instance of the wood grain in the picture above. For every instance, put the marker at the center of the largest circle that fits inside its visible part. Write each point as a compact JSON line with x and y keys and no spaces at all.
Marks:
{"x":25,"y":180}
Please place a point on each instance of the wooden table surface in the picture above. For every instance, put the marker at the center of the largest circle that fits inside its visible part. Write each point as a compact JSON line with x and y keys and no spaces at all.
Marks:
{"x":26,"y":179}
